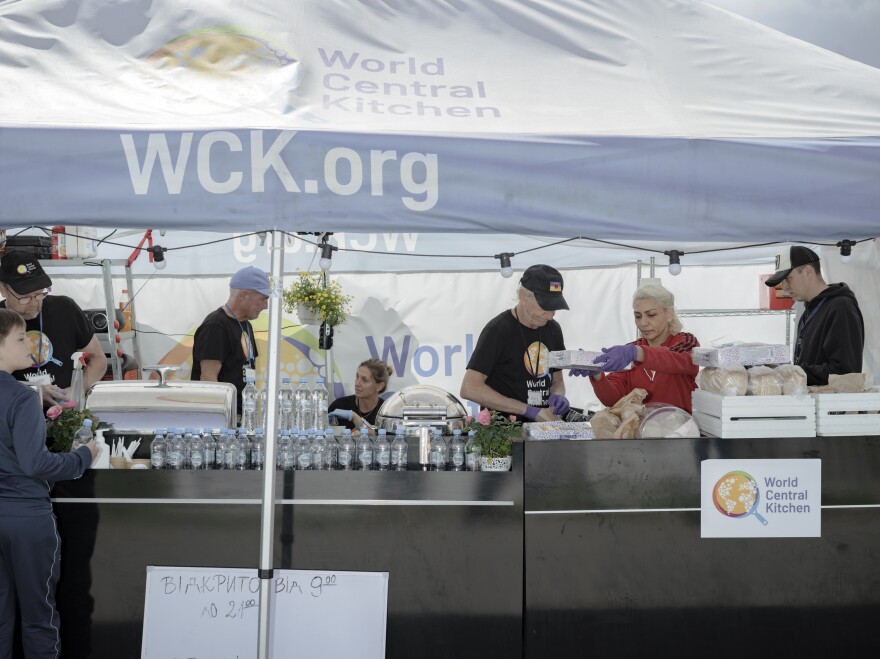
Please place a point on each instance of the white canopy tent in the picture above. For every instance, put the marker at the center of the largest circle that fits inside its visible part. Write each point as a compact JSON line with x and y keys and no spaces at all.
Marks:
{"x":667,"y":121}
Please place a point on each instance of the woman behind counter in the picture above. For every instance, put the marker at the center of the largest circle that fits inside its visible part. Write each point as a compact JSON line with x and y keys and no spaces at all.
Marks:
{"x":661,"y":358}
{"x":371,"y":380}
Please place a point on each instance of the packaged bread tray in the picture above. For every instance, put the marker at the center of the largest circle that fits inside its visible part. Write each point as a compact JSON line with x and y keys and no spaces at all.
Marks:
{"x":558,"y":430}
{"x":582,"y":359}
{"x":745,"y":354}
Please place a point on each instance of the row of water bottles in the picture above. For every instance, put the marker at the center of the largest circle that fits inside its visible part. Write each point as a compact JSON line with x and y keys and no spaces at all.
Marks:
{"x":312,"y":450}
{"x":300,"y":409}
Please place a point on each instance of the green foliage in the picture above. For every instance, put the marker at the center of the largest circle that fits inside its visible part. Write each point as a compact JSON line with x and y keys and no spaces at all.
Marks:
{"x":62,"y":429}
{"x":326,"y":301}
{"x":495,"y":437}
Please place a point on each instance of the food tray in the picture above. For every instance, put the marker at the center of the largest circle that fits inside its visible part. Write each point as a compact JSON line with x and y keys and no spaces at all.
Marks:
{"x":754,"y":416}
{"x":741,"y":355}
{"x":847,"y":414}
{"x":558,"y":430}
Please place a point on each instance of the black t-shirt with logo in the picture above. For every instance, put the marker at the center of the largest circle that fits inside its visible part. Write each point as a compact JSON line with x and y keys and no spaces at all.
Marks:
{"x":65,"y":331}
{"x":514,"y":358}
{"x":222,"y":338}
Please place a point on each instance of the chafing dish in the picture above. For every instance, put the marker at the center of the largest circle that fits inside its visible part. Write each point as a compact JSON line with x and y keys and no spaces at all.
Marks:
{"x":421,"y":405}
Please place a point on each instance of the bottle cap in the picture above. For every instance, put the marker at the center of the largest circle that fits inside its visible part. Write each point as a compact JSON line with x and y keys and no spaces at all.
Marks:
{"x":87,"y":423}
{"x":319,"y":380}
{"x":382,"y":431}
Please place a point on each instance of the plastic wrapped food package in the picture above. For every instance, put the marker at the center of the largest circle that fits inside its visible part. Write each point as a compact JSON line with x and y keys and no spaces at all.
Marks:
{"x":794,"y":380}
{"x":764,"y":381}
{"x":726,"y":380}
{"x":660,"y":420}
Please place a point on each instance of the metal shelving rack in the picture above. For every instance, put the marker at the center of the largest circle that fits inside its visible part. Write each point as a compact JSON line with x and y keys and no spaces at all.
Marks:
{"x":713,"y":313}
{"x":106,"y":266}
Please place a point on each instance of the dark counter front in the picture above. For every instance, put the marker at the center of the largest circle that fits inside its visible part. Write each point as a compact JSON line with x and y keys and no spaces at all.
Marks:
{"x":615,"y":566}
{"x":451,"y":542}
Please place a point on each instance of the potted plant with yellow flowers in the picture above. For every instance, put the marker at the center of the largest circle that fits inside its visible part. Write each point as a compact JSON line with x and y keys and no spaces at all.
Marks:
{"x":317,"y":300}
{"x":494,"y":433}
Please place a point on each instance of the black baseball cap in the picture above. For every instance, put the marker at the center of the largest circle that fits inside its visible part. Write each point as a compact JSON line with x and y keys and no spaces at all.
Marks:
{"x":795,"y":257}
{"x":546,"y":283}
{"x":23,"y":273}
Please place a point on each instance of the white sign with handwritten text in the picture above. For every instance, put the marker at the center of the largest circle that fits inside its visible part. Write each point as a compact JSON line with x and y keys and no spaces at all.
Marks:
{"x":213,"y":613}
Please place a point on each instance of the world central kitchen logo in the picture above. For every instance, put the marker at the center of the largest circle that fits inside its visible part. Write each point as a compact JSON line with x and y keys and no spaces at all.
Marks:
{"x":737,"y":495}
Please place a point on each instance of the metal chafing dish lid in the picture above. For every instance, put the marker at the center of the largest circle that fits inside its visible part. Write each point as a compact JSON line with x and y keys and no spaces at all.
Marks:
{"x":422,"y":400}
{"x":142,"y":405}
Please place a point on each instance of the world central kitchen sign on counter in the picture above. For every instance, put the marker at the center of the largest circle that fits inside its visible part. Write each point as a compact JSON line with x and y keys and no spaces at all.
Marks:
{"x":761,"y":499}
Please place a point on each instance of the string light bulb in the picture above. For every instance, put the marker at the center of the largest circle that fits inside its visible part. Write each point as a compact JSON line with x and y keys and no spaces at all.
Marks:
{"x":506,"y":268}
{"x":157,"y":253}
{"x":327,"y":250}
{"x":674,"y":261}
{"x":846,"y":250}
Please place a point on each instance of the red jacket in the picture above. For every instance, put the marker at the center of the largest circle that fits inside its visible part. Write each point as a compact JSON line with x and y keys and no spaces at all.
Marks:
{"x":668,"y":374}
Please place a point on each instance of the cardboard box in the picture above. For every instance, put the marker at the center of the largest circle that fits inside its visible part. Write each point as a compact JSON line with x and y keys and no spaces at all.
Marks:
{"x":773,"y":298}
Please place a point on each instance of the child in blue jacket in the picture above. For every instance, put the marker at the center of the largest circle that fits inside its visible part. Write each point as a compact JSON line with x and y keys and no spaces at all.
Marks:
{"x":29,"y":543}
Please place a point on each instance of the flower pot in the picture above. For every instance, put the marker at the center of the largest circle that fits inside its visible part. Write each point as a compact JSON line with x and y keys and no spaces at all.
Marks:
{"x":307,"y":316}
{"x":496,"y":464}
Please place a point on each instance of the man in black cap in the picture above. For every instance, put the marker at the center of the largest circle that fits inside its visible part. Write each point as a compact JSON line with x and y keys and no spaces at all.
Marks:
{"x":831,"y":331}
{"x":56,"y":327}
{"x":508,"y":370}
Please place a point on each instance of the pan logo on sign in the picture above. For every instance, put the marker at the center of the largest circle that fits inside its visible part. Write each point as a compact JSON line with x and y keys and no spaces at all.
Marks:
{"x":736,"y":494}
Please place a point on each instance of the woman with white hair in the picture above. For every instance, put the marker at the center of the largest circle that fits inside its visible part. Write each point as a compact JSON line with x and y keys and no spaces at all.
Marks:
{"x":658,"y":362}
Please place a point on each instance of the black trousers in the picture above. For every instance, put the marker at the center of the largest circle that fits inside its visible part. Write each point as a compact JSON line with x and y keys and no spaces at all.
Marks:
{"x":30,"y":551}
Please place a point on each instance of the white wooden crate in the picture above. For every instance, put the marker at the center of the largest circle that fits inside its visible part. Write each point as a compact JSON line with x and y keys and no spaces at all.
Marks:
{"x":754,"y":416}
{"x":847,"y":414}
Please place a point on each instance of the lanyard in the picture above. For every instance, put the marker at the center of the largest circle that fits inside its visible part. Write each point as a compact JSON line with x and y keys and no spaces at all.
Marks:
{"x":245,"y":334}
{"x":802,"y":328}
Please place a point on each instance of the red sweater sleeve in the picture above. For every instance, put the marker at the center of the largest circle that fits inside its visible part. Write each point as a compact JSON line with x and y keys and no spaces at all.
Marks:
{"x":667,"y":374}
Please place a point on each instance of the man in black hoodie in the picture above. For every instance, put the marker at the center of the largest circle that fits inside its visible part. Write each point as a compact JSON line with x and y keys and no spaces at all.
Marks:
{"x":831,"y":332}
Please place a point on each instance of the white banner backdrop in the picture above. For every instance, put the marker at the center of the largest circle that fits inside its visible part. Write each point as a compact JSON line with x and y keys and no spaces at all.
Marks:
{"x":425,"y":325}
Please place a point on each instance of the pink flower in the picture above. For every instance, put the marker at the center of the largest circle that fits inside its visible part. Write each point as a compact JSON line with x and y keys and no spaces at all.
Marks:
{"x":53,"y":412}
{"x":512,"y":417}
{"x":484,"y":417}
{"x":468,"y":419}
{"x":68,"y":404}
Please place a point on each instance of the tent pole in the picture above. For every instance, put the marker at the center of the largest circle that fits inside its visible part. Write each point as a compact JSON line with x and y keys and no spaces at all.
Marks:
{"x":267,"y":508}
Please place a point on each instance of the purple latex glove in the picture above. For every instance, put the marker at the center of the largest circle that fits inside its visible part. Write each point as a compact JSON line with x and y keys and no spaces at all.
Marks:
{"x":341,"y":414}
{"x":616,"y":358}
{"x":532,"y":413}
{"x":581,"y":372}
{"x":558,"y":404}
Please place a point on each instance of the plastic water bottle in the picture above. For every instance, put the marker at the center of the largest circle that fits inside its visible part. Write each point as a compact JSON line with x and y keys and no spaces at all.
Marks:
{"x":258,"y":450}
{"x":399,"y":459}
{"x":284,"y":451}
{"x":196,"y":450}
{"x":302,"y":453}
{"x":472,"y":452}
{"x":177,"y":454}
{"x":287,"y":411}
{"x":187,"y":440}
{"x":332,"y":448}
{"x":303,"y":404}
{"x":249,"y":406}
{"x":242,"y":451}
{"x":456,"y":452}
{"x":346,"y":454}
{"x":158,"y":449}
{"x":364,"y":452}
{"x":382,"y":450}
{"x":210,"y":448}
{"x":82,"y":436}
{"x":319,"y":405}
{"x":230,"y":449}
{"x":319,"y":453}
{"x":438,"y":454}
